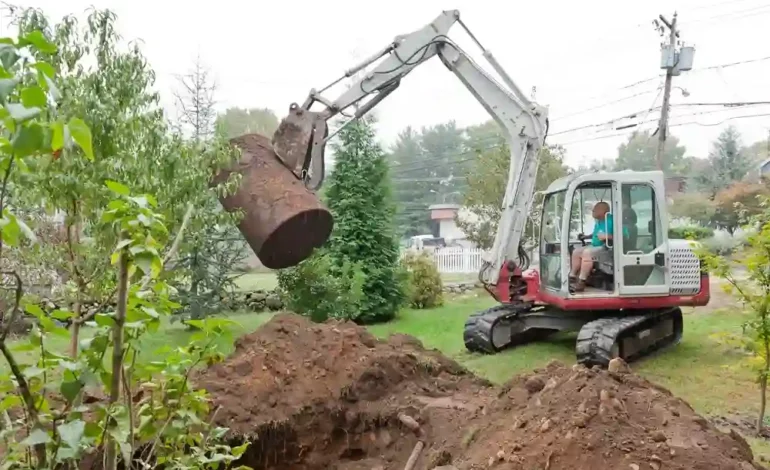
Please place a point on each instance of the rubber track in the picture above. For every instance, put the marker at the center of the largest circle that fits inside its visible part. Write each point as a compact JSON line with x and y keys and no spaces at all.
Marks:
{"x":596,"y":339}
{"x":477,"y":333}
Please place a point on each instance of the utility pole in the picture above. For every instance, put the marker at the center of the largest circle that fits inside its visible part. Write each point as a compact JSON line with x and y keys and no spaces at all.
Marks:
{"x":674,"y":62}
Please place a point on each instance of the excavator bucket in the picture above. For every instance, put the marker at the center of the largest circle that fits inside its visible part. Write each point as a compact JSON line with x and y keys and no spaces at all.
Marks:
{"x":299,"y":143}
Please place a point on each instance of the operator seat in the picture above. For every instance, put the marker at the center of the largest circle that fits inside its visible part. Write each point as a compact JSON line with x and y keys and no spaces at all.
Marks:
{"x":629,"y":223}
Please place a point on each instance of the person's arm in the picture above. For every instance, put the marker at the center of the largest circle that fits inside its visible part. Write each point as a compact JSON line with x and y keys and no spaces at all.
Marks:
{"x":607,"y":233}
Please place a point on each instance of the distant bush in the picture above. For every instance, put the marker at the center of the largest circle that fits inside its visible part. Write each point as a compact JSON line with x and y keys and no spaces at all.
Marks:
{"x":721,"y":246}
{"x":691,"y":232}
{"x":320,"y":290}
{"x":424,"y":289}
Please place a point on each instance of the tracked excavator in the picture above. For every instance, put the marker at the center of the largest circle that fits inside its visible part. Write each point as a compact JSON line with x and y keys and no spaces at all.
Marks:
{"x":640,"y":278}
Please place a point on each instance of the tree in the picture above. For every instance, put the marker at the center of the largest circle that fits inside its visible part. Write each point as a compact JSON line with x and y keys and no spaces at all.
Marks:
{"x":639,"y":154}
{"x":195,"y":101}
{"x":759,"y":151}
{"x":408,"y":159}
{"x":111,"y":87}
{"x":427,"y":169}
{"x":736,"y":204}
{"x":235,"y":122}
{"x":595,"y":165}
{"x":40,"y":431}
{"x":486,"y":187}
{"x":695,"y":207}
{"x":728,"y":163}
{"x":359,"y":198}
{"x":204,"y":270}
{"x":754,"y":293}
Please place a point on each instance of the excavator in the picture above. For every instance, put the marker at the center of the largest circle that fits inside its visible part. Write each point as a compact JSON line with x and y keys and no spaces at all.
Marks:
{"x":640,"y":279}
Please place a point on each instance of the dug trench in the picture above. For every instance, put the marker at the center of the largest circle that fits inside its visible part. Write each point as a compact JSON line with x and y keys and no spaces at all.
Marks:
{"x":331,"y":396}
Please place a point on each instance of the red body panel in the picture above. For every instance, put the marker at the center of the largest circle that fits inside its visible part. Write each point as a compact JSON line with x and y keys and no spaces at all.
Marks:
{"x":535,"y":294}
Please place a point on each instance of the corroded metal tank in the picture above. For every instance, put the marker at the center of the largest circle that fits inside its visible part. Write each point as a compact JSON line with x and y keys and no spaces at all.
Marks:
{"x":283,"y":221}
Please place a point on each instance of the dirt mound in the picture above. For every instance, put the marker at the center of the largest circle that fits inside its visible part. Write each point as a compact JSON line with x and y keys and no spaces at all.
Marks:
{"x":311,"y":395}
{"x":576,"y":418}
{"x":332,"y":396}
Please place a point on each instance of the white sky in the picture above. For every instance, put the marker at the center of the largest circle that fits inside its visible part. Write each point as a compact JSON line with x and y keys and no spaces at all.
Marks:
{"x":577,"y":54}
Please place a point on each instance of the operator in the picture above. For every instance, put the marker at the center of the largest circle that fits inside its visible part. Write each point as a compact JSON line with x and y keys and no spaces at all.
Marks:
{"x":583,"y":256}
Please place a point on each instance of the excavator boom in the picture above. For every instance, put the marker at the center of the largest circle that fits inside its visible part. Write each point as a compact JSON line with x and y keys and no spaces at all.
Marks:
{"x":301,"y":137}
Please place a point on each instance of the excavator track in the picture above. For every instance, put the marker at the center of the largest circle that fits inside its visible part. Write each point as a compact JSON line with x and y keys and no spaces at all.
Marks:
{"x":629,"y":337}
{"x":479,"y":327}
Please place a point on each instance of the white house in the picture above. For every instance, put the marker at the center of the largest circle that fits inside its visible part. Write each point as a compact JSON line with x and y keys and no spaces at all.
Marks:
{"x":444,"y":215}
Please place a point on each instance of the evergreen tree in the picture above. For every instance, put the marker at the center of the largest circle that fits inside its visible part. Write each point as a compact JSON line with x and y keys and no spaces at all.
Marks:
{"x":358,"y":194}
{"x":728,"y":161}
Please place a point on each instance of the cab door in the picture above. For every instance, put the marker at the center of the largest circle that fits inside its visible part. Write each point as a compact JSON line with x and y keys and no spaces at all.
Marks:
{"x":641,"y":252}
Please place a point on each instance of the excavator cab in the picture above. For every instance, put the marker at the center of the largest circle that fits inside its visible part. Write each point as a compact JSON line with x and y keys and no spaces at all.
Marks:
{"x":630,"y":263}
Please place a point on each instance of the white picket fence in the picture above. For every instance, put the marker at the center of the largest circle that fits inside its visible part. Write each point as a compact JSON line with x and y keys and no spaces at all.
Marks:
{"x":457,"y":260}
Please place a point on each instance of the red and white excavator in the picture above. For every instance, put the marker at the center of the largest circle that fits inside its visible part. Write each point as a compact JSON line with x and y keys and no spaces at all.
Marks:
{"x":639,"y":280}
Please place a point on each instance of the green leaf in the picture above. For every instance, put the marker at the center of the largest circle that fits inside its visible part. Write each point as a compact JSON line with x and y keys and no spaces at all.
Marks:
{"x":37,"y":436}
{"x":51,"y":87}
{"x":10,"y":401}
{"x":62,"y":315}
{"x":33,"y":96}
{"x":71,"y":433}
{"x":57,"y":137}
{"x":35,"y":310}
{"x":7,"y":85}
{"x":21,"y":113}
{"x":10,"y":230}
{"x":41,"y":43}
{"x":145,"y":262}
{"x":238,"y":451}
{"x":81,"y":134}
{"x":118,"y":188}
{"x":8,"y":55}
{"x":103,"y":319}
{"x":33,"y":371}
{"x":28,"y":140}
{"x":45,"y":68}
{"x":71,"y":389}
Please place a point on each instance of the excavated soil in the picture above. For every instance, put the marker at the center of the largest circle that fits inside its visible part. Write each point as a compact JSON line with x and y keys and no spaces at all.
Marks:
{"x":331,"y":396}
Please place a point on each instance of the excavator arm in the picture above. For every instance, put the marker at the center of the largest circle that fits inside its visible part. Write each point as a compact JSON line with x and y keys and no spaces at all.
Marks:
{"x":301,"y":137}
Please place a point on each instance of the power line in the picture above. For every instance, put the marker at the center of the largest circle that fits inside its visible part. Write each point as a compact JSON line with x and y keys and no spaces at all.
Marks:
{"x":605,"y":104}
{"x":677,"y":124}
{"x":734,"y":104}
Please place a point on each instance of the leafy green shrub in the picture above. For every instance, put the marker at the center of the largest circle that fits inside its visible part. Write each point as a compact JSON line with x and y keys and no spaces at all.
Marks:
{"x":691,"y":232}
{"x":424,"y":288}
{"x":318,"y":289}
{"x":721,"y":246}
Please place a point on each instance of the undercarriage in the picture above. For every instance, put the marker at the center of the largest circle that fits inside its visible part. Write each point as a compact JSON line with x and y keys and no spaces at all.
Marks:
{"x":602,"y":335}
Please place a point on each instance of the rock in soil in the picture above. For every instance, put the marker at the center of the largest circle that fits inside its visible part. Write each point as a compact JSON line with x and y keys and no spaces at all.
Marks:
{"x":328,"y":396}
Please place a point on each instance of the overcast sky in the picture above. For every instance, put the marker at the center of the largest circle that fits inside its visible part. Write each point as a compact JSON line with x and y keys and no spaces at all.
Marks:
{"x":580,"y":56}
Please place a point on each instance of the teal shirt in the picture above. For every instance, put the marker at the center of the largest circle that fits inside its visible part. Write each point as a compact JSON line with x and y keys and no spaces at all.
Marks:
{"x":600,"y":226}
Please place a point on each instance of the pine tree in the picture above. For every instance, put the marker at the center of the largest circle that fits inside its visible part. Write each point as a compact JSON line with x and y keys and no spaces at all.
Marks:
{"x":728,"y":160}
{"x":358,"y":194}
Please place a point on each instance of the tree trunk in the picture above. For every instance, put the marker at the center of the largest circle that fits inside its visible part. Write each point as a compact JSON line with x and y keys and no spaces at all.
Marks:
{"x":75,"y":329}
{"x":111,"y":452}
{"x":762,"y":402}
{"x":763,"y":384}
